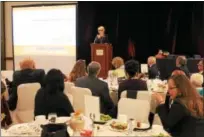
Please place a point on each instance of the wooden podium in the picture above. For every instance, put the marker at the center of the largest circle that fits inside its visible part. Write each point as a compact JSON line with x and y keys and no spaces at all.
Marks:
{"x":102,"y":53}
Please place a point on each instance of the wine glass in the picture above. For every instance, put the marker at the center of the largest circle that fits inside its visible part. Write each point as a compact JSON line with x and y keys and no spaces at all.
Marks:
{"x":52,"y":116}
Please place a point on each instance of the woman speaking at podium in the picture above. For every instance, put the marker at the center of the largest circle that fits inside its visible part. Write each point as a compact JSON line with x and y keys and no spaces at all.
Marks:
{"x":101,"y":38}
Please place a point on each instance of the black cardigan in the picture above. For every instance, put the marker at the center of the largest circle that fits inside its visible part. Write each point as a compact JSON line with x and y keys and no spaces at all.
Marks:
{"x":178,"y":121}
{"x":57,"y":103}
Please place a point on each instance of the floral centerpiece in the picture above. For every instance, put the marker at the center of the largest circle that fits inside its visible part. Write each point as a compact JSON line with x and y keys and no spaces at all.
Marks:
{"x":77,"y":121}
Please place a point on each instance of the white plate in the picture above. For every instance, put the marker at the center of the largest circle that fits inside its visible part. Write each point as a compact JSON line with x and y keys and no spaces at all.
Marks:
{"x":117,"y":130}
{"x":113,"y":129}
{"x":143,"y":126}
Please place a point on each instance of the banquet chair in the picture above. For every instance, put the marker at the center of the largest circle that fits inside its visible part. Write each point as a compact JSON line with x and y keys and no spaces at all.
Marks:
{"x":24,"y":111}
{"x":79,"y":98}
{"x":123,"y":94}
{"x":141,"y":95}
{"x":144,"y":95}
{"x":70,"y":97}
{"x":92,"y":109}
{"x":68,"y":87}
{"x":137,"y":109}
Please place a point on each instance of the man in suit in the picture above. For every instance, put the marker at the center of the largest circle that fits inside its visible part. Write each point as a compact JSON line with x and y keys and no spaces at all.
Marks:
{"x":27,"y":74}
{"x":152,"y":68}
{"x":181,"y":64}
{"x":98,"y":88}
{"x":200,"y":67}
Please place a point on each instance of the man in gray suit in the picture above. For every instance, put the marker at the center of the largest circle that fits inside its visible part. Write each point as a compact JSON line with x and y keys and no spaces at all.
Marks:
{"x":98,"y":88}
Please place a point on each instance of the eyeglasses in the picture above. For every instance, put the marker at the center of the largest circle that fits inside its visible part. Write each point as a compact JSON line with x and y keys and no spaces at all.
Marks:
{"x":172,"y":88}
{"x":100,"y":30}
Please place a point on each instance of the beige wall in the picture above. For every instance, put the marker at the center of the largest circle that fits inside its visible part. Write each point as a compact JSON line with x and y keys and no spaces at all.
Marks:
{"x":8,"y":27}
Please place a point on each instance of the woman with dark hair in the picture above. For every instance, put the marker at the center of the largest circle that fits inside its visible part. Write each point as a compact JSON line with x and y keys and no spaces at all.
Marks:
{"x":184,"y":117}
{"x":5,"y":114}
{"x":133,"y":82}
{"x":78,"y":71}
{"x":51,"y":99}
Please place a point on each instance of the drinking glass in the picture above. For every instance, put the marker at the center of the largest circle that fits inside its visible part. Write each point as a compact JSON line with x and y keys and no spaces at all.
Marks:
{"x":52,"y":115}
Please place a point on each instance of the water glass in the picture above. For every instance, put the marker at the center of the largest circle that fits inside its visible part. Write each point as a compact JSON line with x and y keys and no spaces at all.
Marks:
{"x":52,"y":115}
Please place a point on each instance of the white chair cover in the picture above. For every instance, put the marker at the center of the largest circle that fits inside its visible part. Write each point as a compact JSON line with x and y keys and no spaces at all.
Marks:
{"x":134,"y":108}
{"x":70,"y":97}
{"x":123,"y":94}
{"x":79,"y":99}
{"x":26,"y":99}
{"x":92,"y":106}
{"x":68,"y":87}
{"x":144,"y":95}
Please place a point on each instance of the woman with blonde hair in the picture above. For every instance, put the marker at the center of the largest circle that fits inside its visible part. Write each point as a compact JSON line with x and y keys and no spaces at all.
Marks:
{"x":118,"y":65}
{"x":79,"y":70}
{"x":101,"y":37}
{"x":185,"y":116}
{"x":118,"y":62}
{"x":197,"y":80}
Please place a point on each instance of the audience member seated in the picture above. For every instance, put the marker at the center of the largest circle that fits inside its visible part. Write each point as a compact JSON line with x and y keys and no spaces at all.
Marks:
{"x":27,"y":74}
{"x":5,"y":115}
{"x":78,"y":71}
{"x":50,"y":98}
{"x":118,"y":65}
{"x":98,"y":88}
{"x":153,"y":71}
{"x":184,"y":117}
{"x":197,"y":81}
{"x":160,"y":55}
{"x":168,"y":100}
{"x":178,"y":72}
{"x":200,"y":67}
{"x":132,"y":82}
{"x":181,"y":64}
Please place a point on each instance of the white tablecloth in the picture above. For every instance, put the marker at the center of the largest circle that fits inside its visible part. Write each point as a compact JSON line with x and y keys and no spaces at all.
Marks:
{"x":33,"y":129}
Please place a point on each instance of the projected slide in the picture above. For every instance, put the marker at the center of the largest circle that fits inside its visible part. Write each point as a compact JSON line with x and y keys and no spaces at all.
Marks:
{"x":47,"y":34}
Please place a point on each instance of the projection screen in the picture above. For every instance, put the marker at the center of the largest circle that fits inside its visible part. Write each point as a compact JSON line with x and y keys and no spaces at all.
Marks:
{"x":46,"y":34}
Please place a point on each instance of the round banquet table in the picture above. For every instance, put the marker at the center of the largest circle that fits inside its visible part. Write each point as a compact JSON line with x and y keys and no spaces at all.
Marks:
{"x":152,"y":87}
{"x":33,"y":129}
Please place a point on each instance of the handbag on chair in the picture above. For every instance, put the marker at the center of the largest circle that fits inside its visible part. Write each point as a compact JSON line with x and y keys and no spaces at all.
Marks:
{"x":54,"y":130}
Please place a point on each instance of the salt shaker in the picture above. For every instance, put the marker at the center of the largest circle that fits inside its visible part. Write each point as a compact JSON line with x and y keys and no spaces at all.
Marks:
{"x":130,"y":126}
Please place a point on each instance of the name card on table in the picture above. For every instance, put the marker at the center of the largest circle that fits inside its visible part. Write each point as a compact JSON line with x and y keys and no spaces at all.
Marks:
{"x":92,"y":106}
{"x":99,"y":52}
{"x":144,"y":68}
